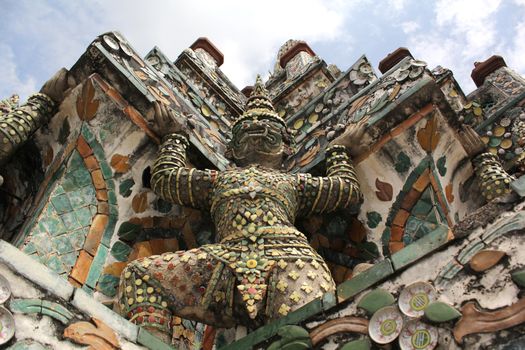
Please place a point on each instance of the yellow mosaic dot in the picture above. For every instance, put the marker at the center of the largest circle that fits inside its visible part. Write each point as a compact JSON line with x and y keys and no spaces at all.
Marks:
{"x":138,"y":282}
{"x":127,"y":274}
{"x":140,"y":299}
{"x":131,"y":301}
{"x":140,"y":291}
{"x":145,"y":277}
{"x":251,"y":263}
{"x":164,"y":304}
{"x":149,"y":290}
{"x":152,"y":299}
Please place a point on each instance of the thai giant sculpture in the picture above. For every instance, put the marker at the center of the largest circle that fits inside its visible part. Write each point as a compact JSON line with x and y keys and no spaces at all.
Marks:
{"x":262,"y":267}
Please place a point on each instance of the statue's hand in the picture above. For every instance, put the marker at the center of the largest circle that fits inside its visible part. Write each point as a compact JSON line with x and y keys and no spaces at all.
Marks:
{"x":166,"y":121}
{"x":58,"y":85}
{"x":471,"y":141}
{"x":351,"y":138}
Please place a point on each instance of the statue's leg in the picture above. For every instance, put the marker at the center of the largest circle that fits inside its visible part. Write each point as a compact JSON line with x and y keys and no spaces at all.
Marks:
{"x":296,"y":283}
{"x":189,"y":284}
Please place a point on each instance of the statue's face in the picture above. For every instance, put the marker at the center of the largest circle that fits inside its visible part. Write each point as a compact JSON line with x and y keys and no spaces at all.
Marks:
{"x":258,"y":142}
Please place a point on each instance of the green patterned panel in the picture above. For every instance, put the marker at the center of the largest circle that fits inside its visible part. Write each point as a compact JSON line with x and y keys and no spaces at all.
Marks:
{"x":63,"y":223}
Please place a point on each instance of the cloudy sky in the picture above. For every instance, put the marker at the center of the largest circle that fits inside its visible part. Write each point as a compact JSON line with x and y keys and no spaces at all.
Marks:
{"x":38,"y":37}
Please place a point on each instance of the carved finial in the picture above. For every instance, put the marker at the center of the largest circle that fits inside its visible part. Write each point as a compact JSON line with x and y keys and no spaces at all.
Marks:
{"x":259,"y":105}
{"x":259,"y":89}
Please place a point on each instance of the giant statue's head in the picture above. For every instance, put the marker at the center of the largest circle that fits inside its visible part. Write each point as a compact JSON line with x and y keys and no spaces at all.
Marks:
{"x":259,"y":136}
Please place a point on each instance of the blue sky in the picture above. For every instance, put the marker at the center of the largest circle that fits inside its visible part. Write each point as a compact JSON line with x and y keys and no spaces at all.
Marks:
{"x":38,"y":37}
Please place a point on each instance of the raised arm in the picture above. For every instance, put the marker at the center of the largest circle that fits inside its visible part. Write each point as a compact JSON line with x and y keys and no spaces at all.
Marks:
{"x":17,"y":126}
{"x":170,"y":178}
{"x":340,"y":188}
{"x":337,"y":190}
{"x":494,"y":181}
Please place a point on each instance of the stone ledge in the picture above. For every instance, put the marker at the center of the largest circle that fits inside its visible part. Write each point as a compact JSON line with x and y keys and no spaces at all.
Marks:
{"x":34,"y":271}
{"x":55,"y":285}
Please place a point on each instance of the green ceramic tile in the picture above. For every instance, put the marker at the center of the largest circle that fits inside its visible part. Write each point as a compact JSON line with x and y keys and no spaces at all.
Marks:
{"x":151,"y":342}
{"x":77,"y":198}
{"x":62,"y":244}
{"x":427,"y":195}
{"x":57,"y":308}
{"x":421,"y":209}
{"x":373,"y":219}
{"x":55,"y":264}
{"x":68,"y":184}
{"x":81,"y":177}
{"x":25,"y":306}
{"x":69,"y":260}
{"x":433,"y":216}
{"x":120,"y":251}
{"x":441,"y":165}
{"x":113,"y":210}
{"x":403,"y":163}
{"x":364,"y":280}
{"x":360,"y":344}
{"x":83,"y":216}
{"x":518,"y":277}
{"x":432,"y":241}
{"x":112,"y":198}
{"x":515,"y":222}
{"x":43,"y":244}
{"x":108,"y":285}
{"x":30,"y":248}
{"x":58,"y":190}
{"x":107,"y":173}
{"x":469,"y":251}
{"x":375,"y":300}
{"x":70,"y":221}
{"x":61,"y":204}
{"x":88,"y":135}
{"x":96,"y":266}
{"x":75,"y":162}
{"x":108,"y":232}
{"x":125,"y":187}
{"x":451,"y":269}
{"x":77,"y":238}
{"x":439,"y":311}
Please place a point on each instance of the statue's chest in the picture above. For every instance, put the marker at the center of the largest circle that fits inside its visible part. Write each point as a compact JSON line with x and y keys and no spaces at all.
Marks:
{"x":254,"y":184}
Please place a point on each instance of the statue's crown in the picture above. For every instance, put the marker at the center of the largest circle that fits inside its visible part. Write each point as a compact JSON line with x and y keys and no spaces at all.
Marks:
{"x":259,"y":106}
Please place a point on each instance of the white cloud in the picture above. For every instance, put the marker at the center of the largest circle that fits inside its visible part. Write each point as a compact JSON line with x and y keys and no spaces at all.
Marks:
{"x":12,"y":82}
{"x":471,"y":22}
{"x":409,"y":26}
{"x":515,"y":54}
{"x":248,"y":35}
{"x":398,"y":5}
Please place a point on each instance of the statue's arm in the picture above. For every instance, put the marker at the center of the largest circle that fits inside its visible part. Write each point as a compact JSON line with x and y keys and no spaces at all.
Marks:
{"x":17,"y":126}
{"x":174,"y":182}
{"x":493,"y":179}
{"x":339,"y":189}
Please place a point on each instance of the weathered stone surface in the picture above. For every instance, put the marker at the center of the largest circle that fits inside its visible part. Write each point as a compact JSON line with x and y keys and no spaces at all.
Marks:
{"x":32,"y":270}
